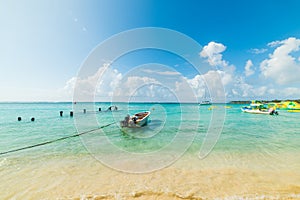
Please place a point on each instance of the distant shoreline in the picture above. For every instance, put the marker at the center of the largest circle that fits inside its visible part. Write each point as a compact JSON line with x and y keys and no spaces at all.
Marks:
{"x":138,"y":102}
{"x":263,"y":101}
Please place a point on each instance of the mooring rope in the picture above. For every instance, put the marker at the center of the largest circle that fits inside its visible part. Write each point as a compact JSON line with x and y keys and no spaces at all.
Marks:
{"x":56,"y":140}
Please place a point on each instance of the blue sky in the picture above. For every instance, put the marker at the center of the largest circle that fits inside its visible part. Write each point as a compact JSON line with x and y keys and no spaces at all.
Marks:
{"x":44,"y":44}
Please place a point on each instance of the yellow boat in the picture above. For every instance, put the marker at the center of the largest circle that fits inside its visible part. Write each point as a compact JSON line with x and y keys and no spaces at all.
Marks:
{"x":293,"y":111}
{"x":288,"y":105}
{"x":212,"y":107}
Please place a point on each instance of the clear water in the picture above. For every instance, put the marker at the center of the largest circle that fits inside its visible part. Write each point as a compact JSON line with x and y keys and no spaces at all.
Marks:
{"x":241,"y":132}
{"x":248,"y":141}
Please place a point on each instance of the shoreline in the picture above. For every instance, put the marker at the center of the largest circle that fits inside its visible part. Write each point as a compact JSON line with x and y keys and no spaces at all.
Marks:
{"x":85,"y":178}
{"x":264,"y":101}
{"x":255,"y":157}
{"x":139,"y":102}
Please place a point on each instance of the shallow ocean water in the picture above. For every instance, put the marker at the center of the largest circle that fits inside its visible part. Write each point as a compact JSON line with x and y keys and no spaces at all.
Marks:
{"x":255,"y":156}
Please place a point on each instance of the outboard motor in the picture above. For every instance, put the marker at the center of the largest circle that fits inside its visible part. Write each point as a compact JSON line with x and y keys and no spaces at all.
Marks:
{"x":125,"y":122}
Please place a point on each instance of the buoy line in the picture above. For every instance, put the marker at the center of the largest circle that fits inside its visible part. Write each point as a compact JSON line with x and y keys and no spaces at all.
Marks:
{"x":56,"y":140}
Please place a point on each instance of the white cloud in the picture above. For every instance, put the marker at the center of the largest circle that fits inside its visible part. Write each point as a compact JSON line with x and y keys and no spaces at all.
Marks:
{"x":143,"y":88}
{"x":248,"y":70}
{"x":274,"y":43}
{"x":291,"y":91}
{"x":70,"y":84}
{"x":281,"y":93}
{"x":261,"y":91}
{"x":216,"y":84}
{"x":197,"y":84}
{"x":132,"y":86}
{"x":108,"y":83}
{"x":212,"y":52}
{"x":163,"y":84}
{"x":241,"y":89}
{"x":164,"y":73}
{"x":258,"y":51}
{"x":102,"y":83}
{"x":210,"y":84}
{"x":281,"y":66}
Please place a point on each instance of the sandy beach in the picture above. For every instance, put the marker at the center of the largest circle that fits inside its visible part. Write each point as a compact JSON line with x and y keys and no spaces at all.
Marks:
{"x":86,"y":178}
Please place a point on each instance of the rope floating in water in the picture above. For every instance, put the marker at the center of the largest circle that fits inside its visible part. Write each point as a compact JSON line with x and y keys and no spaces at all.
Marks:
{"x":56,"y":140}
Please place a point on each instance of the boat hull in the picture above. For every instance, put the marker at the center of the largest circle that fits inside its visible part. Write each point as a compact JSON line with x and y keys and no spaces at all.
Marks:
{"x":294,"y":110}
{"x":257,"y":111}
{"x":136,"y":121}
{"x":205,"y":103}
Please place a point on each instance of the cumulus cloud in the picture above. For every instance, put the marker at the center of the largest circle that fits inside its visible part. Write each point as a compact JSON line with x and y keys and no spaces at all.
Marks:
{"x":109,"y":84}
{"x":164,"y":73}
{"x":164,"y":84}
{"x":102,"y":83}
{"x":210,"y":84}
{"x":133,"y":85}
{"x":291,"y":91}
{"x":248,"y":68}
{"x":241,"y":89}
{"x":212,"y":52}
{"x":281,"y":66}
{"x":197,"y":83}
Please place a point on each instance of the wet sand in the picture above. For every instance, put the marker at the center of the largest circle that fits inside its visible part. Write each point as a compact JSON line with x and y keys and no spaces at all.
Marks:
{"x":86,"y":178}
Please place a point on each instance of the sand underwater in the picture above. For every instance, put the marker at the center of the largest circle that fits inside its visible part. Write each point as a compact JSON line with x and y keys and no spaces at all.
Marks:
{"x":255,"y":157}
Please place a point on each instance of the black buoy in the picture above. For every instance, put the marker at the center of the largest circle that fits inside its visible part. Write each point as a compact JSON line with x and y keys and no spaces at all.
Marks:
{"x":32,"y":119}
{"x":71,"y":113}
{"x":99,"y":109}
{"x":61,"y":113}
{"x":84,"y":110}
{"x":19,"y":118}
{"x":112,"y":108}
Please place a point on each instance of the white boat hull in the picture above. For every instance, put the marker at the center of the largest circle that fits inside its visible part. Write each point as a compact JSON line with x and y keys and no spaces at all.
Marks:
{"x":256,"y":111}
{"x":203,"y":103}
{"x":136,"y":121}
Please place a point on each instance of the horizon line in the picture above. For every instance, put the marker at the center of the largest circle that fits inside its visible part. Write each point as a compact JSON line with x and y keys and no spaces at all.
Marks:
{"x":142,"y":101}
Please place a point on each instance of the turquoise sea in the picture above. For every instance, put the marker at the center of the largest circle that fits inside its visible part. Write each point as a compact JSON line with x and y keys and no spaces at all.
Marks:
{"x":214,"y":153}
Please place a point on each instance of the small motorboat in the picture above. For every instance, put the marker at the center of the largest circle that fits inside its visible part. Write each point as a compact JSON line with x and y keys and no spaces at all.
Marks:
{"x":135,"y":121}
{"x":258,"y":108}
{"x":247,"y":109}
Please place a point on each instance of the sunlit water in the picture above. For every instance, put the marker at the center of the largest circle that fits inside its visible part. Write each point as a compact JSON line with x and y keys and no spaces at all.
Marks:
{"x":256,"y":156}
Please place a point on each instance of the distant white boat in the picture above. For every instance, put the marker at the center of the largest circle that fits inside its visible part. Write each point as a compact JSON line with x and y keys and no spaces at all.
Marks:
{"x":205,"y":99}
{"x":135,"y":121}
{"x":202,"y":103}
{"x":258,"y":108}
